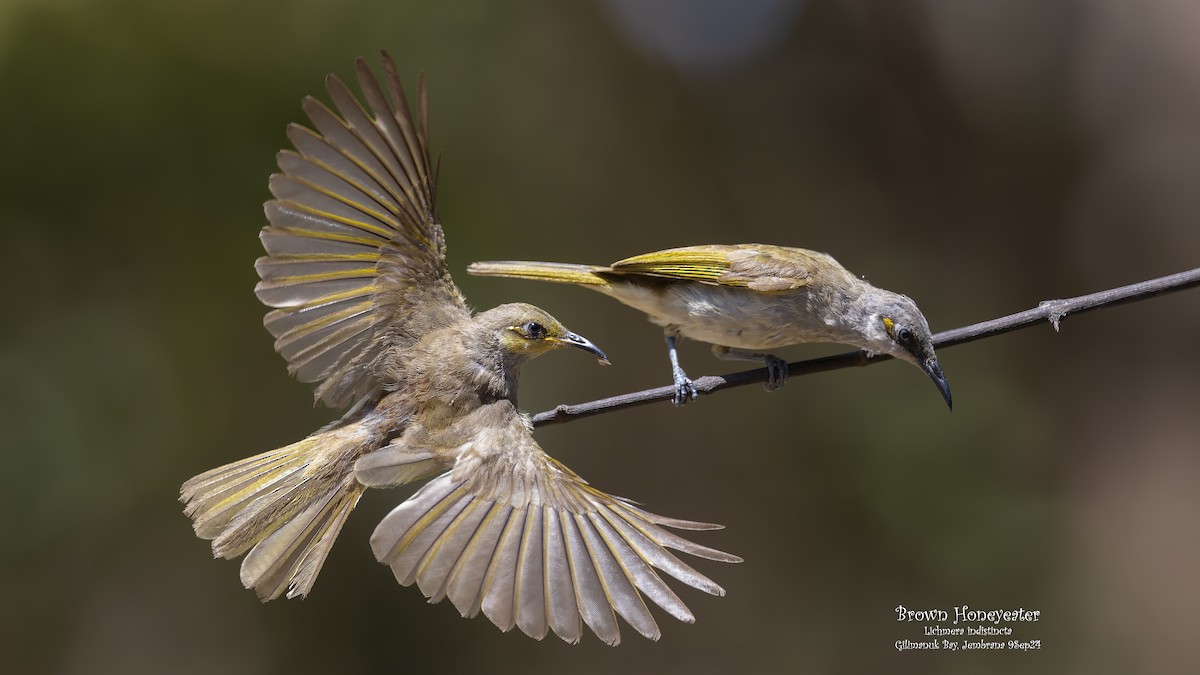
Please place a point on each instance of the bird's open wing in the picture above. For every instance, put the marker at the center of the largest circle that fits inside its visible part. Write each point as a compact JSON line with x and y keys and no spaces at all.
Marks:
{"x":516,"y":534}
{"x":759,"y":267}
{"x":354,"y":249}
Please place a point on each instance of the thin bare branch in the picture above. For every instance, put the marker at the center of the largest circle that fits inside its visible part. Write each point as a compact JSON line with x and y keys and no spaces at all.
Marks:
{"x":1053,"y":311}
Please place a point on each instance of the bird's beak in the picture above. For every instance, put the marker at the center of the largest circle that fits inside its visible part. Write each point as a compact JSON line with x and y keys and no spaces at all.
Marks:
{"x":586,"y":345}
{"x":934,"y":371}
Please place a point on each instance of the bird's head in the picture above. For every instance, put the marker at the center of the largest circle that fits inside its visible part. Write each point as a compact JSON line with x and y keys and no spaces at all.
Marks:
{"x":895,"y":326}
{"x":523,"y":332}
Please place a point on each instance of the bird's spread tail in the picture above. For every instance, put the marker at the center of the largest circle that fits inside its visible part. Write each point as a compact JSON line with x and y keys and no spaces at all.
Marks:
{"x":286,"y":507}
{"x":563,"y":273}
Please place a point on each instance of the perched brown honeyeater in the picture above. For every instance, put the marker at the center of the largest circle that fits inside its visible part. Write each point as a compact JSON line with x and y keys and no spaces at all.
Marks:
{"x":365,"y":306}
{"x":748,"y":298}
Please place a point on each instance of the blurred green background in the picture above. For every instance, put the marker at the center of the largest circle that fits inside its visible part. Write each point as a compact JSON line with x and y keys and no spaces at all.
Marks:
{"x":978,"y":156}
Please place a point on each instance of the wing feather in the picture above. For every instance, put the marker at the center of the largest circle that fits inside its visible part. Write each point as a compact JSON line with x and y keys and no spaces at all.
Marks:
{"x":416,"y":138}
{"x":341,"y":136}
{"x":298,"y":241}
{"x":357,"y":122}
{"x":347,"y":205}
{"x":465,"y":584}
{"x":513,"y":533}
{"x":640,"y":571}
{"x":311,"y":317}
{"x":530,"y":587}
{"x":299,"y":221}
{"x":445,"y":553}
{"x":562,"y":610}
{"x":345,"y":186}
{"x":317,"y":152}
{"x":645,"y":522}
{"x":617,"y":581}
{"x":390,"y":135}
{"x":591,"y":597}
{"x":405,"y":534}
{"x":759,"y":267}
{"x":328,"y":319}
{"x":698,"y":263}
{"x":499,"y":592}
{"x":355,"y":255}
{"x":311,"y":359}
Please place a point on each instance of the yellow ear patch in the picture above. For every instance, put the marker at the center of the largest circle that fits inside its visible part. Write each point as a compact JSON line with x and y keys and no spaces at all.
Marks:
{"x":888,"y":325}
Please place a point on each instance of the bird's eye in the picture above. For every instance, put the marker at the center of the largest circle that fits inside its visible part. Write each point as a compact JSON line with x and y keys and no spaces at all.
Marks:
{"x":534,"y":330}
{"x":903,"y":335}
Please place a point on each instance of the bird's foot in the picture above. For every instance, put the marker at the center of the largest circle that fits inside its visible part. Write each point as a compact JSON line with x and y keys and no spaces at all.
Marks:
{"x":684,"y":389}
{"x":777,"y":372}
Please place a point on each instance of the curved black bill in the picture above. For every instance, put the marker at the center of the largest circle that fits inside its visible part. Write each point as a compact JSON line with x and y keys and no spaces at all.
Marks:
{"x":934,"y":371}
{"x":576,"y":340}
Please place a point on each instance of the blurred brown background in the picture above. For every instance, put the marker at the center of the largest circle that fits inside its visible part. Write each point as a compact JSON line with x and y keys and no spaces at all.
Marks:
{"x":978,"y":156}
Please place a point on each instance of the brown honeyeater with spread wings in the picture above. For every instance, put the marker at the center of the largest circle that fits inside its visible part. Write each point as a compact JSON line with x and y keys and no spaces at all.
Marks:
{"x":747,"y":298}
{"x":365,"y":307}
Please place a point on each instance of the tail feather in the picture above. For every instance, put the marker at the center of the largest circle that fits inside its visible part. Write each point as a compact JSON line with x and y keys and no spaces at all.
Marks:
{"x":215,"y":497}
{"x":286,"y":507}
{"x":563,"y":273}
{"x":290,"y":558}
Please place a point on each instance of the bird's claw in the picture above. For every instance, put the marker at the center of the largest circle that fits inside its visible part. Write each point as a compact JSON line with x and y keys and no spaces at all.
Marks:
{"x":684,"y":389}
{"x":777,"y":372}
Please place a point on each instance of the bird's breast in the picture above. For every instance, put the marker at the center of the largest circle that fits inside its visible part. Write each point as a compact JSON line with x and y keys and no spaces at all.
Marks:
{"x":734,"y":316}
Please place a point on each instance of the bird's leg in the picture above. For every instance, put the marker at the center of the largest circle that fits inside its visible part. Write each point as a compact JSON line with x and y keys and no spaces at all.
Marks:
{"x":684,"y":391}
{"x":777,"y":368}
